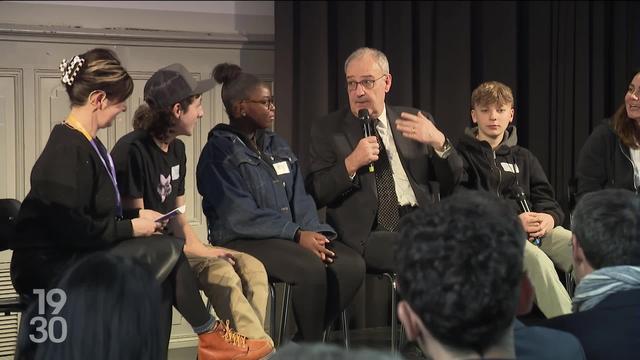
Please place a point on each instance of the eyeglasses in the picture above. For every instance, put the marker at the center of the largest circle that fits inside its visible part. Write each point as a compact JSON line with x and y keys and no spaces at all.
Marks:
{"x":367,"y":83}
{"x":268,"y":103}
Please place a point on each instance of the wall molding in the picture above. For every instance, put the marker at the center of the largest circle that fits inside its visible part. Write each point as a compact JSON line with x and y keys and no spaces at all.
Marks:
{"x":131,"y":36}
{"x":17,"y":77}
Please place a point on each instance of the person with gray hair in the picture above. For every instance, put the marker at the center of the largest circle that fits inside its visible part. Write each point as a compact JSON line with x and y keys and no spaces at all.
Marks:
{"x":369,"y":182}
{"x":606,"y":256}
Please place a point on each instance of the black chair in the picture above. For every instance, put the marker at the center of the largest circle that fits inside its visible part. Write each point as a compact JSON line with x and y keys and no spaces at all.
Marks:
{"x":284,"y":313}
{"x":8,"y":212}
{"x":284,"y":310}
{"x":396,"y":341}
{"x":345,"y":330}
{"x":572,"y":190}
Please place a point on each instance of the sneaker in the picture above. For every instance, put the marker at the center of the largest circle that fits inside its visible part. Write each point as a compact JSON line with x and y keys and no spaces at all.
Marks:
{"x":224,"y":343}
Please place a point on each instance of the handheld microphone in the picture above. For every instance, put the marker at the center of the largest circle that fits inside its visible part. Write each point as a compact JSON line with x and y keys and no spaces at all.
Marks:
{"x":367,"y":127}
{"x":524,"y":206}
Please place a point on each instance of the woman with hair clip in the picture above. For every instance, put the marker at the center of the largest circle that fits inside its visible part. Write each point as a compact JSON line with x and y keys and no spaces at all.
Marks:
{"x":610,"y":158}
{"x":255,"y":201}
{"x":151,"y":167}
{"x":74,"y":208}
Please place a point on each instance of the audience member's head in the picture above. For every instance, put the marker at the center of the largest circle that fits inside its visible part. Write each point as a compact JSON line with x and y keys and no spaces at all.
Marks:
{"x":328,"y":352}
{"x":606,"y":231}
{"x":111,"y":312}
{"x":459,"y":269}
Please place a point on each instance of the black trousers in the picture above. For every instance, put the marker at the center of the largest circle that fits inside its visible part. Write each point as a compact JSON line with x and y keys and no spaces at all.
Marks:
{"x":378,"y":251}
{"x":180,"y":289}
{"x":379,"y":248}
{"x":319,"y":292}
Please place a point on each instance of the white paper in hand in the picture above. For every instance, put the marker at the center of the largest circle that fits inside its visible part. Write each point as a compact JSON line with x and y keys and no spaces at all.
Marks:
{"x":172,"y":213}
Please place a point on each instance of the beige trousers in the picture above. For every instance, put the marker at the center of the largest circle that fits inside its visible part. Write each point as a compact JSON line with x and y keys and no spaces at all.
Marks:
{"x":238,"y":293}
{"x":552,"y":298}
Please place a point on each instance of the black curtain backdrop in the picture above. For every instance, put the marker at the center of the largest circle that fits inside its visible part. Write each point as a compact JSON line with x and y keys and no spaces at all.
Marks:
{"x":568,"y":64}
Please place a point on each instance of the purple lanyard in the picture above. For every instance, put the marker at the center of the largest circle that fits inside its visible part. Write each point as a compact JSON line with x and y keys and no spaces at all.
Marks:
{"x":108,"y":165}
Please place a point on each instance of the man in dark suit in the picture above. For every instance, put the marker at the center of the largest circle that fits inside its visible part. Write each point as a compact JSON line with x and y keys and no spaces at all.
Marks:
{"x":606,"y":256}
{"x":409,"y":158}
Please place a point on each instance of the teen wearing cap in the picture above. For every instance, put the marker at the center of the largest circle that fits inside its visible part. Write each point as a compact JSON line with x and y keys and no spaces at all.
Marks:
{"x":73,"y":209}
{"x":150,"y":165}
{"x":255,"y":201}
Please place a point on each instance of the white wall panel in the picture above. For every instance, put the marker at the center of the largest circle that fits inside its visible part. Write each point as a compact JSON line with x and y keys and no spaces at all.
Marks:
{"x":10,"y":129}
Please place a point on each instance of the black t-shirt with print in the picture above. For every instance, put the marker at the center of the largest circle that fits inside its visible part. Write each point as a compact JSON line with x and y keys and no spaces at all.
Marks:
{"x":143,"y":170}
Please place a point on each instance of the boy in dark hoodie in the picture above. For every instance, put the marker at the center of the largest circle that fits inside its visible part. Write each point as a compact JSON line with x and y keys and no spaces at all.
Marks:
{"x":494,"y":162}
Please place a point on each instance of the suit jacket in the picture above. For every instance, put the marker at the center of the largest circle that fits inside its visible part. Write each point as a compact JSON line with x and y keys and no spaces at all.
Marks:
{"x":352,"y":205}
{"x":539,"y":343}
{"x":610,"y":330}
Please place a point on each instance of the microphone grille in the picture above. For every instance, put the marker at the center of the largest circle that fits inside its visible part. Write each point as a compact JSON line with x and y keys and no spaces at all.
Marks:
{"x":518,"y":191}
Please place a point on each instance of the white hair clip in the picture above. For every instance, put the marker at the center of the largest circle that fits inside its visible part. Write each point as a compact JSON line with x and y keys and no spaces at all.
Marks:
{"x":70,"y":70}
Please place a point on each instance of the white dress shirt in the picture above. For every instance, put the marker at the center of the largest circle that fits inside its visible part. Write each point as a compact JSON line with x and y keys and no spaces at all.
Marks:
{"x":403,"y":187}
{"x":635,"y":159}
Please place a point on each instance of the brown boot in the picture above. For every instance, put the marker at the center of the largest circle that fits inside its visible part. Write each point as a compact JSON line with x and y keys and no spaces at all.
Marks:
{"x":259,"y":348}
{"x":223,"y":343}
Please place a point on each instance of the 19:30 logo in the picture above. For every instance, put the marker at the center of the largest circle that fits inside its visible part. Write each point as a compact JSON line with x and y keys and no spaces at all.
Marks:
{"x":54,"y":328}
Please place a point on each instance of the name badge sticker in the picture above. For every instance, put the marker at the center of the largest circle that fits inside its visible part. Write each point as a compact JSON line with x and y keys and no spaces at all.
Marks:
{"x":281,"y":168}
{"x":175,"y":172}
{"x":513,"y":168}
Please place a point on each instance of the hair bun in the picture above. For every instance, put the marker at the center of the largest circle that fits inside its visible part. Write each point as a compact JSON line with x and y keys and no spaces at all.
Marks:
{"x":225,"y":72}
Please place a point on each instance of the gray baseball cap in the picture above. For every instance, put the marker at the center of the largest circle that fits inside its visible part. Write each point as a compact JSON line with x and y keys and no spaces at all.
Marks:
{"x":173,"y":84}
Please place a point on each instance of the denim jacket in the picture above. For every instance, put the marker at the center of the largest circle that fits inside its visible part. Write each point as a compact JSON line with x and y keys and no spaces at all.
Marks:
{"x":249,"y":194}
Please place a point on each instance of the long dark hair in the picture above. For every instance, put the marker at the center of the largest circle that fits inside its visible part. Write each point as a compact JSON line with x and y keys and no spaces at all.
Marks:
{"x":159,"y":122}
{"x":627,"y":129}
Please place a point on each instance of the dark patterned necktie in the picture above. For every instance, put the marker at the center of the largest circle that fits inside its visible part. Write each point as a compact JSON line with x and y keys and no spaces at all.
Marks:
{"x":388,"y":216}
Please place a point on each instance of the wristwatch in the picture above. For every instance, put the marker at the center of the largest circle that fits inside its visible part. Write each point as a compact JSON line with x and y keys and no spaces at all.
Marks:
{"x":446,"y":149}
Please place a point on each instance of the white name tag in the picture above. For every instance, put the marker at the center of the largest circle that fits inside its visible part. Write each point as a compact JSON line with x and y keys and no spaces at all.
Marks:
{"x":510,"y":167}
{"x":281,"y":168}
{"x":175,"y":172}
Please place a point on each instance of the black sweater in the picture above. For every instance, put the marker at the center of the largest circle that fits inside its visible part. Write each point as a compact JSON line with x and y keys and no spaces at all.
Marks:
{"x":604,"y":162}
{"x":72,"y":203}
{"x":510,"y":165}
